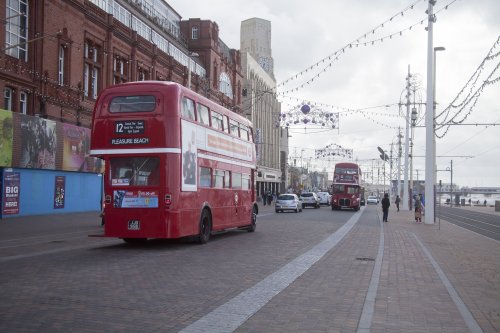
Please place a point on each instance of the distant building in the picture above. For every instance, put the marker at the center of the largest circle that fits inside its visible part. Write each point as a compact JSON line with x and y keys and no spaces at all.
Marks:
{"x":262,"y":107}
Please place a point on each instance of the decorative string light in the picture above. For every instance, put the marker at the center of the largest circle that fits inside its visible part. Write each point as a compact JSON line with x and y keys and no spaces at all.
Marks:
{"x":357,"y":42}
{"x":468,"y":102}
{"x":333,"y":150}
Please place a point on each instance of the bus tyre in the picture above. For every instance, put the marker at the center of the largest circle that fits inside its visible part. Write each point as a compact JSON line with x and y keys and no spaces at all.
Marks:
{"x":205,"y":227}
{"x":253,"y":220}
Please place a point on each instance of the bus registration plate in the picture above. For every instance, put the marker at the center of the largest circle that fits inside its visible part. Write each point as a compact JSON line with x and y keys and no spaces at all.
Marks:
{"x":134,"y":225}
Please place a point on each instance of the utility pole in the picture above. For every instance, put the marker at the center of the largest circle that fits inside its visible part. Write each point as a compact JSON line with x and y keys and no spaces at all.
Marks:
{"x":400,"y":151}
{"x":406,"y":199}
{"x":451,"y":183}
{"x":430,"y":152}
{"x":390,"y":174}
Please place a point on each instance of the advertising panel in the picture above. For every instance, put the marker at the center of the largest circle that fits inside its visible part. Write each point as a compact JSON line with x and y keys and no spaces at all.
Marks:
{"x":38,"y":143}
{"x":135,"y":199}
{"x":6,"y":135}
{"x":11,"y":191}
{"x":59,"y":192}
{"x":76,"y":143}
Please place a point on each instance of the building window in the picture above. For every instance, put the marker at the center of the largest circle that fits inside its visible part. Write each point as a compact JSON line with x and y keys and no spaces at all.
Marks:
{"x":23,"y":102}
{"x":91,"y":69}
{"x":60,"y":65}
{"x":225,"y":85}
{"x":7,"y":98}
{"x":195,"y":33}
{"x":142,"y":74}
{"x":120,"y":72}
{"x":16,"y":29}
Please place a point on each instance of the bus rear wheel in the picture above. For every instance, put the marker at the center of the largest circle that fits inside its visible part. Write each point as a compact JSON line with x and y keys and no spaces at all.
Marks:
{"x":205,"y":227}
{"x":135,"y":240}
{"x":253,"y":220}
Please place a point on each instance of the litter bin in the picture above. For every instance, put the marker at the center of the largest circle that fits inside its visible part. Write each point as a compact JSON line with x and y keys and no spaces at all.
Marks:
{"x":462,"y":202}
{"x":497,"y":205}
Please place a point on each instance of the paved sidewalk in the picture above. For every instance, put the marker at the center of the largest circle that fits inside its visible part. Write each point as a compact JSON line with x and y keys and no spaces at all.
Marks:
{"x":423,"y":278}
{"x":427,"y":273}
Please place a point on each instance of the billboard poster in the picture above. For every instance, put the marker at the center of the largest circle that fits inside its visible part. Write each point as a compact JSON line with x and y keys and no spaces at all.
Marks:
{"x":38,"y":143}
{"x":59,"y":192}
{"x":76,"y":145}
{"x":189,"y":156}
{"x":11,"y":191}
{"x":6,"y":135}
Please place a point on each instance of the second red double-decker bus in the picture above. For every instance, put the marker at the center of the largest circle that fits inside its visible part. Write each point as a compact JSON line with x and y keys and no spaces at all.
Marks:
{"x":176,"y":163}
{"x":346,"y":186}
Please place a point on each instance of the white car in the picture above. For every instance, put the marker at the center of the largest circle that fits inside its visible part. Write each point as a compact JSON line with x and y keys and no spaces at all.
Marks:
{"x":372,"y":200}
{"x":288,"y":202}
{"x":309,"y":199}
{"x":324,"y":198}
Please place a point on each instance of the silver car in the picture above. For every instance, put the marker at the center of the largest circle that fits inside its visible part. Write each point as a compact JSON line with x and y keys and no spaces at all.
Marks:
{"x":309,"y":199}
{"x":324,"y":198}
{"x":288,"y":202}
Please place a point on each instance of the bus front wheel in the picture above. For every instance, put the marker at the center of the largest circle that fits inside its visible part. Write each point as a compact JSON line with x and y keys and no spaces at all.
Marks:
{"x":205,"y":227}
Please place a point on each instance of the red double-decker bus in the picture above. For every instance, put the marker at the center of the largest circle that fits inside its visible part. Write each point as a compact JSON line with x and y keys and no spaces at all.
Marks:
{"x":176,"y":163}
{"x":346,"y":187}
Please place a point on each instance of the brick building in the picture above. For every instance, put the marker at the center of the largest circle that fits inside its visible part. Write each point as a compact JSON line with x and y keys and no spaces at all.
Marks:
{"x":57,"y":55}
{"x":55,"y":58}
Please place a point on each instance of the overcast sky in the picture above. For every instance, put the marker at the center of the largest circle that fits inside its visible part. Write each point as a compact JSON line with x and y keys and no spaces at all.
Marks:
{"x":373,"y":76}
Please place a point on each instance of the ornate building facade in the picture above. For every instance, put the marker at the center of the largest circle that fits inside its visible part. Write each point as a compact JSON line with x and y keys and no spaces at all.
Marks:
{"x":57,"y":55}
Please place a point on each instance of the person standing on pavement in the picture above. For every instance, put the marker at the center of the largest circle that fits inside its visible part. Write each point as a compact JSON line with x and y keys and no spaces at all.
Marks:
{"x":418,"y":209}
{"x":398,"y":200}
{"x":386,"y":203}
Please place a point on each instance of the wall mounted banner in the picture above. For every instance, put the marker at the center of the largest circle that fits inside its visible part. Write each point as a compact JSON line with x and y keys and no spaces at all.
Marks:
{"x":59,"y":192}
{"x":11,"y":190}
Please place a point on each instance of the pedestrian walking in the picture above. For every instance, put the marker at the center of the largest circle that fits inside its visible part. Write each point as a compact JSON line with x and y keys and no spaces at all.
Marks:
{"x":386,"y":203}
{"x":398,"y":200}
{"x":264,"y":199}
{"x":418,"y":209}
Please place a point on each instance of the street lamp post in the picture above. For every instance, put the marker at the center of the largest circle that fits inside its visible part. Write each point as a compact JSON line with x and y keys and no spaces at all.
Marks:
{"x":451,"y":183}
{"x":192,"y":54}
{"x":429,"y":123}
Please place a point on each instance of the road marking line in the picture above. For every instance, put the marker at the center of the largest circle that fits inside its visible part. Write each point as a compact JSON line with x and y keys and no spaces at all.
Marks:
{"x":231,"y":315}
{"x":462,"y":308}
{"x":61,"y":249}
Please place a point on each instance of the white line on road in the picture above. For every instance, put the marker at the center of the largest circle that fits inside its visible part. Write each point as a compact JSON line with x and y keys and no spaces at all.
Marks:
{"x":231,"y":315}
{"x":61,"y":249}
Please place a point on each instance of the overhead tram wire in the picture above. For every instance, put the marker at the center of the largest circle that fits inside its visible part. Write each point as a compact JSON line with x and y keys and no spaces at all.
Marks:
{"x":355,"y":43}
{"x":274,"y":90}
{"x":472,"y":96}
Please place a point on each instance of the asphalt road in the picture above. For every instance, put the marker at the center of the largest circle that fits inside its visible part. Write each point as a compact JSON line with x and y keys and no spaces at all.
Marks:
{"x":57,"y":279}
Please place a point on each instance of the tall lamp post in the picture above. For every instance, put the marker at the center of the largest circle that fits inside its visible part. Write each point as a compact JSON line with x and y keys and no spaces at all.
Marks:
{"x":430,"y":152}
{"x":191,"y":54}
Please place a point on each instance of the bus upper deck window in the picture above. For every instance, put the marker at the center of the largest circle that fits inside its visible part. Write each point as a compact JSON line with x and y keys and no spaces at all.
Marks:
{"x":187,"y":108}
{"x":129,"y":104}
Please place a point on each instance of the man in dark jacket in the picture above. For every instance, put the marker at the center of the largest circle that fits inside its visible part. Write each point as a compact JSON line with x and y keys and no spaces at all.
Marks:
{"x":385,"y":206}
